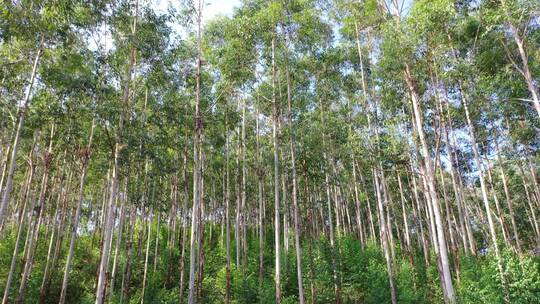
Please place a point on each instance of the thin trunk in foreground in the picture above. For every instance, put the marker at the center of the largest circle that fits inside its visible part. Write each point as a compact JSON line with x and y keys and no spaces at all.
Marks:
{"x":197,"y":167}
{"x":85,"y":157}
{"x":446,"y":279}
{"x":20,"y":123}
{"x":277,"y":277}
{"x":109,"y":220}
{"x":292,"y":148}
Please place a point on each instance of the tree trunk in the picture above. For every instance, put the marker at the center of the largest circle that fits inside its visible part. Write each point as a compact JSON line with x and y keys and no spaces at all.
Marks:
{"x":184,"y":227}
{"x":104,"y":262}
{"x":197,"y":167}
{"x":85,"y":157}
{"x":20,"y":122}
{"x":533,"y":220}
{"x":227,"y":215}
{"x":508,"y":198}
{"x":126,"y":273}
{"x":260,"y":200}
{"x":418,"y":216}
{"x":34,"y":230}
{"x":22,"y":217}
{"x":337,"y":289}
{"x":242,"y":215}
{"x":56,"y":239}
{"x":446,"y":279}
{"x":156,"y":246}
{"x":277,"y":276}
{"x":525,"y":69}
{"x":384,"y":236}
{"x":405,"y":220}
{"x":118,"y":244}
{"x":145,"y":273}
{"x":483,"y":190}
{"x":359,"y":222}
{"x":458,"y":192}
{"x":296,"y":215}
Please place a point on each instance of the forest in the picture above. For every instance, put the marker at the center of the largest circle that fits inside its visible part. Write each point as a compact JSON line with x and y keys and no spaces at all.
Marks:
{"x":288,"y":151}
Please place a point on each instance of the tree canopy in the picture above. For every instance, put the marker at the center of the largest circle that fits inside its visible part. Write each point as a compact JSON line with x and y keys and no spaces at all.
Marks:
{"x":290,"y":151}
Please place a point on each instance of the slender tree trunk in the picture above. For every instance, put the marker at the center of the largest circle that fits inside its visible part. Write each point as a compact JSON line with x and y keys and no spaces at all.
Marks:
{"x":384,"y":237}
{"x":483,"y":190}
{"x":20,"y":123}
{"x":292,"y":148}
{"x":524,"y":69}
{"x":405,"y":219}
{"x":277,"y":277}
{"x":104,"y":262}
{"x":458,"y":192}
{"x":533,"y":220}
{"x":85,"y":157}
{"x":499,"y":215}
{"x":56,"y":239}
{"x":337,"y":289}
{"x":156,"y":246}
{"x":33,"y":237}
{"x":242,"y":215}
{"x":145,"y":273}
{"x":200,"y":240}
{"x":173,"y":219}
{"x":508,"y":198}
{"x":197,"y":167}
{"x":184,"y":227}
{"x":108,"y":230}
{"x":20,"y":226}
{"x":359,"y":222}
{"x":117,"y":247}
{"x":285,"y":211}
{"x":237,"y":236}
{"x":4,"y":164}
{"x":126,"y":280}
{"x":227,"y":215}
{"x":445,"y":265}
{"x":260,"y":200}
{"x":368,"y":201}
{"x":388,"y":202}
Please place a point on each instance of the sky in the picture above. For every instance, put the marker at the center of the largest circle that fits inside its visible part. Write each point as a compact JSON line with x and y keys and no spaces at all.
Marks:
{"x":212,"y":7}
{"x":216,"y":7}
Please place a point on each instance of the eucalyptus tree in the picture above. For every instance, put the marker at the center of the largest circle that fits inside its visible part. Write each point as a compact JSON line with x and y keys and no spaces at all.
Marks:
{"x":197,"y":157}
{"x":465,"y":99}
{"x":51,"y":33}
{"x":233,"y":56}
{"x":322,"y":108}
{"x":396,"y":30}
{"x":518,"y":16}
{"x":133,"y":10}
{"x":47,"y":26}
{"x":362,"y":21}
{"x":266,"y":15}
{"x":139,"y":35}
{"x":83,"y":112}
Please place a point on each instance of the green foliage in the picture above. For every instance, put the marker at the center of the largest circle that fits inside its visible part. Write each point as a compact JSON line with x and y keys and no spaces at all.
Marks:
{"x":342,"y":63}
{"x":361,"y":272}
{"x":480,"y":282}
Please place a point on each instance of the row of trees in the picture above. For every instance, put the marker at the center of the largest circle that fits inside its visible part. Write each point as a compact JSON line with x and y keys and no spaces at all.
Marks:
{"x":133,"y":138}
